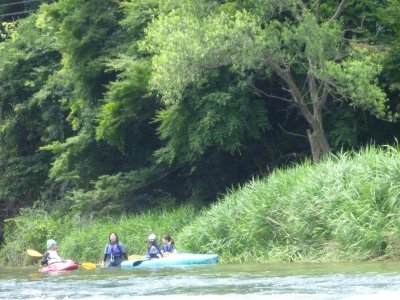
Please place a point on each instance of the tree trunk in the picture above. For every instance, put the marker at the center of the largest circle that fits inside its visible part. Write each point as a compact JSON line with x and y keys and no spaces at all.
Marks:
{"x":318,"y":143}
{"x":316,"y":136}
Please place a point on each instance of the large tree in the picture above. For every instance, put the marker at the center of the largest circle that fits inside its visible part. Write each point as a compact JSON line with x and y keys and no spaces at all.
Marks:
{"x":31,"y":114}
{"x":303,"y":43}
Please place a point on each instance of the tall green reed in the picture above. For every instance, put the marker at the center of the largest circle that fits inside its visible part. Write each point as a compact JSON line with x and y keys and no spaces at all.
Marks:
{"x":344,"y":208}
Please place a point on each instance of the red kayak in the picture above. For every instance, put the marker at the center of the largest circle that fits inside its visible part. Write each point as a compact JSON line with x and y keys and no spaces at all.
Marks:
{"x":68,"y":265}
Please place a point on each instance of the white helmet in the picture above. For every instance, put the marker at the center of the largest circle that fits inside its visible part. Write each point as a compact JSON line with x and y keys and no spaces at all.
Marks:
{"x":152,"y":237}
{"x":51,"y":243}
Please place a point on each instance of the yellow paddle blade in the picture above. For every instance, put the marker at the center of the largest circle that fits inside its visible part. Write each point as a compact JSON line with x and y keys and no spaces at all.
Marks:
{"x":88,"y":266}
{"x":135,"y":257}
{"x":34,"y":253}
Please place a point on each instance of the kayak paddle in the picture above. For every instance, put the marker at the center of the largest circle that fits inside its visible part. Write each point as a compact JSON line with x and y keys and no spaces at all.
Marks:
{"x":88,"y":265}
{"x":85,"y":265}
{"x":139,"y":261}
{"x":34,"y":253}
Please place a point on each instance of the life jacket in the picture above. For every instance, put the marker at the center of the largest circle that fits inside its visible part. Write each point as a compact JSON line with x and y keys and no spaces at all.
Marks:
{"x":53,"y":257}
{"x":153,"y":251}
{"x":169,"y":247}
{"x":114,"y":250}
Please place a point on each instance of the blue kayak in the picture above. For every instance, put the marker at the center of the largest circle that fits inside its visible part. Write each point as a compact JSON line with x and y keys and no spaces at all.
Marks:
{"x":177,"y":259}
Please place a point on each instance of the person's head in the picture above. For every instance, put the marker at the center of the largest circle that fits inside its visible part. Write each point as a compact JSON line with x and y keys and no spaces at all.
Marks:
{"x":166,"y":238}
{"x":113,"y":237}
{"x":51,"y":245}
{"x":151,"y":244}
{"x":152,"y":238}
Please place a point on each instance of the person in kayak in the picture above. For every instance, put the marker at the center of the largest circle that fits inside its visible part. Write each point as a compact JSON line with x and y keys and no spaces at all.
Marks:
{"x":168,"y":245}
{"x":153,"y":250}
{"x":114,"y":252}
{"x":51,"y":256}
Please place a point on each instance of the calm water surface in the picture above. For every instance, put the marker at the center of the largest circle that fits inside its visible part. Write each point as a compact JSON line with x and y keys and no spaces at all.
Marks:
{"x":250,"y":282}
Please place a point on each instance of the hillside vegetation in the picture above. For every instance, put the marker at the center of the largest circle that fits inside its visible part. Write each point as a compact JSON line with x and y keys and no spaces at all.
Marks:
{"x":113,"y":107}
{"x":345,"y":208}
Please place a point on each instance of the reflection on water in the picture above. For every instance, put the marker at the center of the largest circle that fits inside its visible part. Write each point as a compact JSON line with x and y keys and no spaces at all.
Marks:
{"x":250,"y":282}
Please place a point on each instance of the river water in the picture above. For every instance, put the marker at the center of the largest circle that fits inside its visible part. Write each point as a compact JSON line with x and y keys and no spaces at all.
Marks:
{"x":249,"y":282}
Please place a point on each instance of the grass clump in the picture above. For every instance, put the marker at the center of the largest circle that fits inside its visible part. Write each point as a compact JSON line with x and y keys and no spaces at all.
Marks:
{"x":345,"y":208}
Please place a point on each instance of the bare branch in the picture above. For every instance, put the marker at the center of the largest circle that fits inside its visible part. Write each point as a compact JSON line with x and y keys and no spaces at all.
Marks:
{"x":291,"y":133}
{"x":269,"y":95}
{"x":294,"y":90}
{"x":325,"y":93}
{"x":338,"y":11}
{"x":318,"y":12}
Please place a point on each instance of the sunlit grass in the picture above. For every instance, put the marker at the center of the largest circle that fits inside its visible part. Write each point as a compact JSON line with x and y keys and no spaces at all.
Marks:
{"x":345,"y":208}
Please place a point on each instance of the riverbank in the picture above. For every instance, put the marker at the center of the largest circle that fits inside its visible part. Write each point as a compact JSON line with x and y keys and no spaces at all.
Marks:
{"x":345,"y":208}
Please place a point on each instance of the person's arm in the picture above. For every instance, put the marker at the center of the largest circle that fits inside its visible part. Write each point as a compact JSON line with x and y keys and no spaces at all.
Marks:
{"x":45,"y":258}
{"x":123,"y":250}
{"x":159,"y":251}
{"x":147,"y":252}
{"x":104,"y":256}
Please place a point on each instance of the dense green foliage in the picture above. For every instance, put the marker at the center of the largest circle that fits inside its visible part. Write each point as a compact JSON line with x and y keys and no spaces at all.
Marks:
{"x":308,"y":52}
{"x":114,"y":106}
{"x":345,"y":208}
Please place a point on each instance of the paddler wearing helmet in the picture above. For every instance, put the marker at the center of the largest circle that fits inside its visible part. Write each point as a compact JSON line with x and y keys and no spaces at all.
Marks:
{"x":153,"y":250}
{"x":51,"y":256}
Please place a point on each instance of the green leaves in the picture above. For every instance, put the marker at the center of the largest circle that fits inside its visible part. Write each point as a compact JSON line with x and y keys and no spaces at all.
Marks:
{"x":83,"y":30}
{"x":129,"y":105}
{"x":94,"y":88}
{"x":195,"y":45}
{"x":355,"y":80}
{"x":27,"y":60}
{"x":290,"y":40}
{"x":218,"y":120}
{"x":28,"y":230}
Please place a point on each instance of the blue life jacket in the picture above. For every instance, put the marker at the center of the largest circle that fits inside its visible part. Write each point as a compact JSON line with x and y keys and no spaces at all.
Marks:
{"x":153,"y":252}
{"x":113,"y":250}
{"x":168,"y":247}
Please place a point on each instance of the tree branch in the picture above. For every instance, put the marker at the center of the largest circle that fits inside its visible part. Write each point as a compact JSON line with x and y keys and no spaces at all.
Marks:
{"x":318,"y":12}
{"x":338,"y":11}
{"x":325,"y":93}
{"x":291,"y":133}
{"x":297,"y":96}
{"x":269,"y":95}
